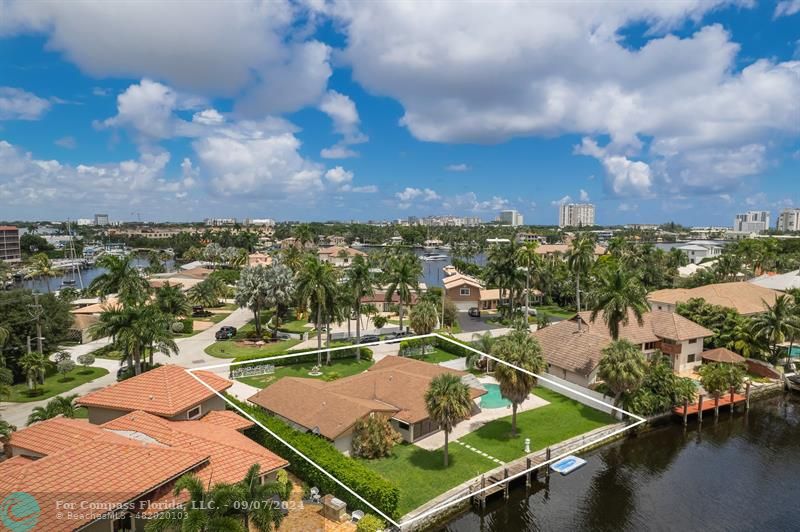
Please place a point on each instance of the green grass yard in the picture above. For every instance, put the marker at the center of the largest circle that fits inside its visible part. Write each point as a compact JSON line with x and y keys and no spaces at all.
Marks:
{"x":437,"y":356}
{"x":562,"y":419}
{"x":342,"y":368}
{"x":555,"y":311}
{"x":421,"y":476}
{"x":55,"y":384}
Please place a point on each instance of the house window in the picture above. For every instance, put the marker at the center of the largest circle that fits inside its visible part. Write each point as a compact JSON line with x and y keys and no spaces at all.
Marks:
{"x":690,"y":358}
{"x":402,"y":425}
{"x":194,"y":413}
{"x":123,"y":524}
{"x":464,"y":291}
{"x":649,"y":346}
{"x":693,"y":341}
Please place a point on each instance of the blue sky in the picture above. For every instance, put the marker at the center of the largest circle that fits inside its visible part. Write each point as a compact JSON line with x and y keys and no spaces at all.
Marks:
{"x":684,"y":111}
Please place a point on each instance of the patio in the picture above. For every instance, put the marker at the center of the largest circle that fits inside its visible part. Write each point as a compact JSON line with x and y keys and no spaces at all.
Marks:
{"x":304,"y":515}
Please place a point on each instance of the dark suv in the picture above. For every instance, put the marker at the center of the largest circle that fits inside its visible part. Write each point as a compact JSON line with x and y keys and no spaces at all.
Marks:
{"x":225,"y":332}
{"x":474,"y":312}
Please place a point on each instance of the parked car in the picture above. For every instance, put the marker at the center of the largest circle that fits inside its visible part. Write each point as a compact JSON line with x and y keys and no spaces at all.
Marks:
{"x":226,"y":332}
{"x":397,"y":337}
{"x":199,"y":311}
{"x":370,"y":338}
{"x":474,"y":312}
{"x":531,"y":310}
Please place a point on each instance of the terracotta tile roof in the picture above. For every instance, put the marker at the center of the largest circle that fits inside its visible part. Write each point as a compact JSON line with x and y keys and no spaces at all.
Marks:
{"x":227,"y":419}
{"x":164,"y":391}
{"x":230,"y":453}
{"x":458,"y":279}
{"x":563,"y":249}
{"x":745,"y":298}
{"x":335,"y":250}
{"x":97,"y":308}
{"x":580,"y":352}
{"x":109,"y":469}
{"x":721,"y":354}
{"x":54,"y":435}
{"x":395,"y":385}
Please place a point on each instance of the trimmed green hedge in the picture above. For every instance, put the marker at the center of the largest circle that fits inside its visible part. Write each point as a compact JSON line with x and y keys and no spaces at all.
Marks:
{"x":452,"y":346}
{"x":355,"y":475}
{"x":188,"y":325}
{"x":366,"y":354}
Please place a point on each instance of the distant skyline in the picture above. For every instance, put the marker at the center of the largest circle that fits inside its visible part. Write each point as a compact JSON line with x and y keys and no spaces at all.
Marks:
{"x":682,"y":111}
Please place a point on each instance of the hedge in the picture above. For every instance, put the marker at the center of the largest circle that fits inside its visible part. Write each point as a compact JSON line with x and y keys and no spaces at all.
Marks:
{"x":452,"y":346}
{"x":366,"y":354}
{"x":188,"y":325}
{"x":380,"y":492}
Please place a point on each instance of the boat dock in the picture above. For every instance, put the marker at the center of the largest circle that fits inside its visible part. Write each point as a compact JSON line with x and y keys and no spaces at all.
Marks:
{"x":704,"y":404}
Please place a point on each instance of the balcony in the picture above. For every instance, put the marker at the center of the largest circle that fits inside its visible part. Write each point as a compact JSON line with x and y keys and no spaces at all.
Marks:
{"x":669,"y":349}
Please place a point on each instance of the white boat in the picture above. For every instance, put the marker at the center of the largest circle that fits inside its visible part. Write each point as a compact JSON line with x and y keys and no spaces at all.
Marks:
{"x":431,"y":257}
{"x":356,"y":244}
{"x":791,"y":378}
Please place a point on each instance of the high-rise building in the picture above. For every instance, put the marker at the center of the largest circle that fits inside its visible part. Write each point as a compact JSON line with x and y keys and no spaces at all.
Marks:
{"x":100,"y":219}
{"x":575,"y":215}
{"x":219,"y":222}
{"x":751,"y":222}
{"x":789,"y":220}
{"x":9,"y":244}
{"x":510,"y":217}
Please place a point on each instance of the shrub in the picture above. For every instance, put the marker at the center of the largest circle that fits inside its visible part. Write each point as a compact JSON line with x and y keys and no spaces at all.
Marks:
{"x":383,"y":494}
{"x":450,"y":313}
{"x":65,"y":366}
{"x":370,"y":523}
{"x":61,"y":355}
{"x":374,"y":437}
{"x":86,"y":360}
{"x":177,"y":327}
{"x":284,"y":485}
{"x":366,"y":354}
{"x":379,"y":321}
{"x":332,"y":376}
{"x":188,"y":325}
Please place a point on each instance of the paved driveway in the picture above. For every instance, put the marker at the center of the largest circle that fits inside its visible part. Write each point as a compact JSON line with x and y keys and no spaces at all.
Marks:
{"x":469,"y":324}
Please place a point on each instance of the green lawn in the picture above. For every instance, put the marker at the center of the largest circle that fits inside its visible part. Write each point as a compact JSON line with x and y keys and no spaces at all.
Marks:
{"x":342,"y":368}
{"x":109,"y":352}
{"x":81,"y":413}
{"x":562,"y":419}
{"x":295,"y":326}
{"x":421,"y":475}
{"x":555,"y":310}
{"x":55,"y":384}
{"x":230,"y":349}
{"x":437,"y":356}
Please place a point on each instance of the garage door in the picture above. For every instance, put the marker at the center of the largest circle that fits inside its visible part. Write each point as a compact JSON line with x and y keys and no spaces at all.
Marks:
{"x":464,"y":306}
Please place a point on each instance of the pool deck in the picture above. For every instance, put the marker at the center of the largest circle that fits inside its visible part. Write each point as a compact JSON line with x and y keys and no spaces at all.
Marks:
{"x":436,"y":440}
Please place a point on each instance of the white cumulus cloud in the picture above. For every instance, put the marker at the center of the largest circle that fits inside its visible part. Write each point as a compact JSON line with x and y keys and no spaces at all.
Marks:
{"x":17,"y":104}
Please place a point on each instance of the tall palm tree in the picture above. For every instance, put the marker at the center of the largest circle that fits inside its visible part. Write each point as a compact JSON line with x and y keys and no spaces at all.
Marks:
{"x":206,"y":510}
{"x":523,"y":351}
{"x":42,"y":268}
{"x":448,"y":403}
{"x":57,"y":406}
{"x":304,"y":235}
{"x":777,"y":324}
{"x":316,"y":283}
{"x":530,"y":260}
{"x":156,"y":333}
{"x":120,"y":277}
{"x":204,"y":293}
{"x":580,"y":258}
{"x":251,"y":292}
{"x":360,"y":284}
{"x":423,"y":317}
{"x":263,"y":517}
{"x":5,"y":334}
{"x":623,"y":368}
{"x":482,"y":342}
{"x":6,"y":428}
{"x":617,"y":295}
{"x":279,"y":291}
{"x":172,"y":300}
{"x":403,"y":279}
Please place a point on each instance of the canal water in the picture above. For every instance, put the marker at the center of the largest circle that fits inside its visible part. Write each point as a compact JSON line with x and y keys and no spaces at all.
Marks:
{"x":87,"y":276}
{"x":739,"y":474}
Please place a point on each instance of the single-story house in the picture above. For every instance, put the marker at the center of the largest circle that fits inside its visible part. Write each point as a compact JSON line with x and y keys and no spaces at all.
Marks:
{"x":778,"y":281}
{"x":563,"y":249}
{"x":339,"y":256}
{"x":393,"y":387}
{"x":745,"y":298}
{"x":574,"y":355}
{"x":254,"y":259}
{"x":186,"y":279}
{"x":378,"y":298}
{"x":167,"y":391}
{"x":133,"y":460}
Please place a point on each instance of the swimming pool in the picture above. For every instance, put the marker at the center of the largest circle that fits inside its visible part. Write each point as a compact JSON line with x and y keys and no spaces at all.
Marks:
{"x":795,"y":353}
{"x":493,"y":399}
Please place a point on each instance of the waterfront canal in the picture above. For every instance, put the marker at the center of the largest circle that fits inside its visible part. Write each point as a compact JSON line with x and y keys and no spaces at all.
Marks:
{"x":740,"y":474}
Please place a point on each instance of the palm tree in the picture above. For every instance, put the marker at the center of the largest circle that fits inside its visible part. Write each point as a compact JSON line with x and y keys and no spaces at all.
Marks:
{"x":279,"y":291}
{"x":482,"y":342}
{"x":403,"y":279}
{"x":304,"y":235}
{"x":316,"y":283}
{"x":251,"y":292}
{"x":171,"y":300}
{"x":424,"y":317}
{"x":718,"y":379}
{"x":448,"y":403}
{"x":206,"y":510}
{"x":360,"y":284}
{"x":120,"y":277}
{"x":528,"y":257}
{"x":42,"y":268}
{"x":34,"y":365}
{"x":6,"y":429}
{"x":156,"y":332}
{"x":623,"y":368}
{"x":617,"y":295}
{"x":204,"y":293}
{"x":777,"y":324}
{"x":5,"y":334}
{"x":580,"y":259}
{"x":264,"y":517}
{"x":134,"y":328}
{"x":523,"y":351}
{"x":57,"y":406}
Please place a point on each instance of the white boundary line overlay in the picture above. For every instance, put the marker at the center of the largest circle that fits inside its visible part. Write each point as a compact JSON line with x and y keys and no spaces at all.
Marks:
{"x":440,"y":507}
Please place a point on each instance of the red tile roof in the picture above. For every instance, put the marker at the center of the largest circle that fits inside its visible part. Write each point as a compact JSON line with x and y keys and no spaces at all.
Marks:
{"x":55,"y":435}
{"x":163,"y":391}
{"x":227,"y":419}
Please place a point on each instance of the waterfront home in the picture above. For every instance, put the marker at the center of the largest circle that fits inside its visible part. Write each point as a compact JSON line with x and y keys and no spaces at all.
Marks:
{"x":782,"y":282}
{"x":574,"y":355}
{"x":561,"y":250}
{"x":697,"y":251}
{"x":379,"y":298}
{"x":167,"y":391}
{"x":132,"y":460}
{"x":393,"y":387}
{"x":185,"y":278}
{"x":254,"y":259}
{"x":467,"y":292}
{"x":745,"y":298}
{"x":339,"y":256}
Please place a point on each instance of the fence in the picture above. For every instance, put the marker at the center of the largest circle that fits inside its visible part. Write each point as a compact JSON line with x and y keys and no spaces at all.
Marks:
{"x":252,"y":371}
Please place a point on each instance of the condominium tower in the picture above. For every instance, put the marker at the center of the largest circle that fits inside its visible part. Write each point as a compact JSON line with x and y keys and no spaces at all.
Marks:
{"x":9,"y":243}
{"x":510,"y":217}
{"x":789,"y":220}
{"x":575,"y":215}
{"x":751,"y":222}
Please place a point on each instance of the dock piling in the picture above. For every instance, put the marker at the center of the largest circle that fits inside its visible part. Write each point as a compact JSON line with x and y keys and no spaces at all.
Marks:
{"x":528,"y":474}
{"x":547,"y":461}
{"x":700,"y":409}
{"x":685,"y":412}
{"x":505,"y":485}
{"x":747,"y":396}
